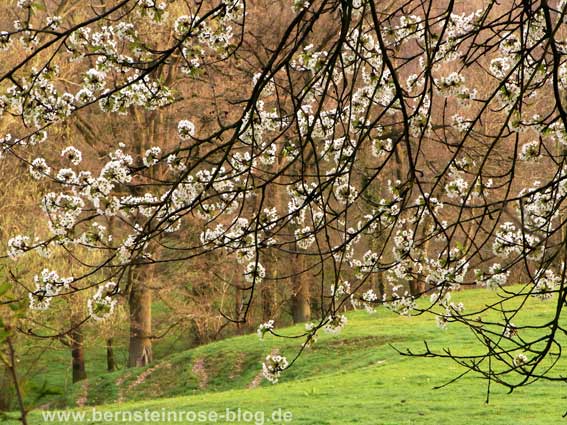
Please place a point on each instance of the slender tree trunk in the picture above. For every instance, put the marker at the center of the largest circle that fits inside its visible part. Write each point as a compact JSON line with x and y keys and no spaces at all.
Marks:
{"x":77,"y":350}
{"x":5,"y":389}
{"x":301,"y":297}
{"x":376,"y":244}
{"x":238,"y":309}
{"x":14,"y":375}
{"x":140,"y":303}
{"x":110,"y":362}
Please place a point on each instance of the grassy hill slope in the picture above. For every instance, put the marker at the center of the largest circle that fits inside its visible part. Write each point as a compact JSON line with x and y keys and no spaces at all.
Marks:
{"x":351,"y":378}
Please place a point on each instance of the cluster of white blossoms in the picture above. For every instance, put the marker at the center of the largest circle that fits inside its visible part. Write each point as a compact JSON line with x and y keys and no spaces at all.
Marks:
{"x":185,"y":129}
{"x":304,"y":237}
{"x":369,"y":300}
{"x":541,"y":206}
{"x":410,"y":27}
{"x":335,"y":324}
{"x":273,"y":366}
{"x":440,"y":275}
{"x":530,"y":151}
{"x":39,"y":168}
{"x":208,"y":39}
{"x":346,"y":193}
{"x":508,"y":240}
{"x":495,"y":278}
{"x":382,"y":147}
{"x":18,"y":245}
{"x":156,"y":11}
{"x":457,"y":188}
{"x":451,"y":84}
{"x":340,"y":289}
{"x":72,"y":154}
{"x":48,"y":285}
{"x":152,"y":156}
{"x":255,"y":272}
{"x":520,"y":360}
{"x":310,"y":60}
{"x":102,"y":304}
{"x":450,"y":308}
{"x":264,"y":328}
{"x":402,"y":302}
{"x":546,"y":283}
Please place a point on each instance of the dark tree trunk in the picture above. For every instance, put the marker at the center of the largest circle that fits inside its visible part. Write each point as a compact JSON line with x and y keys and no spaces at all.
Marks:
{"x":140,"y":303}
{"x":110,"y":362}
{"x":77,"y":350}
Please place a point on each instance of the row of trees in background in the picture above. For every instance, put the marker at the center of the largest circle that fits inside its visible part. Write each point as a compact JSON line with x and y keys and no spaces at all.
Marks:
{"x":195,"y":296}
{"x":246,"y":170}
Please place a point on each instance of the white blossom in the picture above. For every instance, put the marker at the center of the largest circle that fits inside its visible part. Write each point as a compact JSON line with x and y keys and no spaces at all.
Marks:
{"x":101,"y":305}
{"x":264,"y":328}
{"x":39,"y":168}
{"x":335,"y":324}
{"x":255,"y":272}
{"x":152,"y":156}
{"x":17,"y":246}
{"x":185,"y":129}
{"x":72,"y":154}
{"x":273,"y":367}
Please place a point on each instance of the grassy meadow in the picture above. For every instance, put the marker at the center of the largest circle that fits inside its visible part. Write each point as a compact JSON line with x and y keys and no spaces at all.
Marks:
{"x":355,"y":377}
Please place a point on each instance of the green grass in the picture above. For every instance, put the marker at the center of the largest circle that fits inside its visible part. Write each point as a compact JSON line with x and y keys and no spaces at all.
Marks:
{"x":352,"y":378}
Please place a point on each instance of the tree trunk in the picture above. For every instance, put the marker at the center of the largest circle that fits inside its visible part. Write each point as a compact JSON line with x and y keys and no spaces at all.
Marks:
{"x":77,"y":350}
{"x":267,"y":301}
{"x":376,"y":245}
{"x":140,"y":303}
{"x":14,"y":375}
{"x":417,"y":288}
{"x":379,"y":285}
{"x":110,"y":362}
{"x":301,"y":297}
{"x":5,"y":390}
